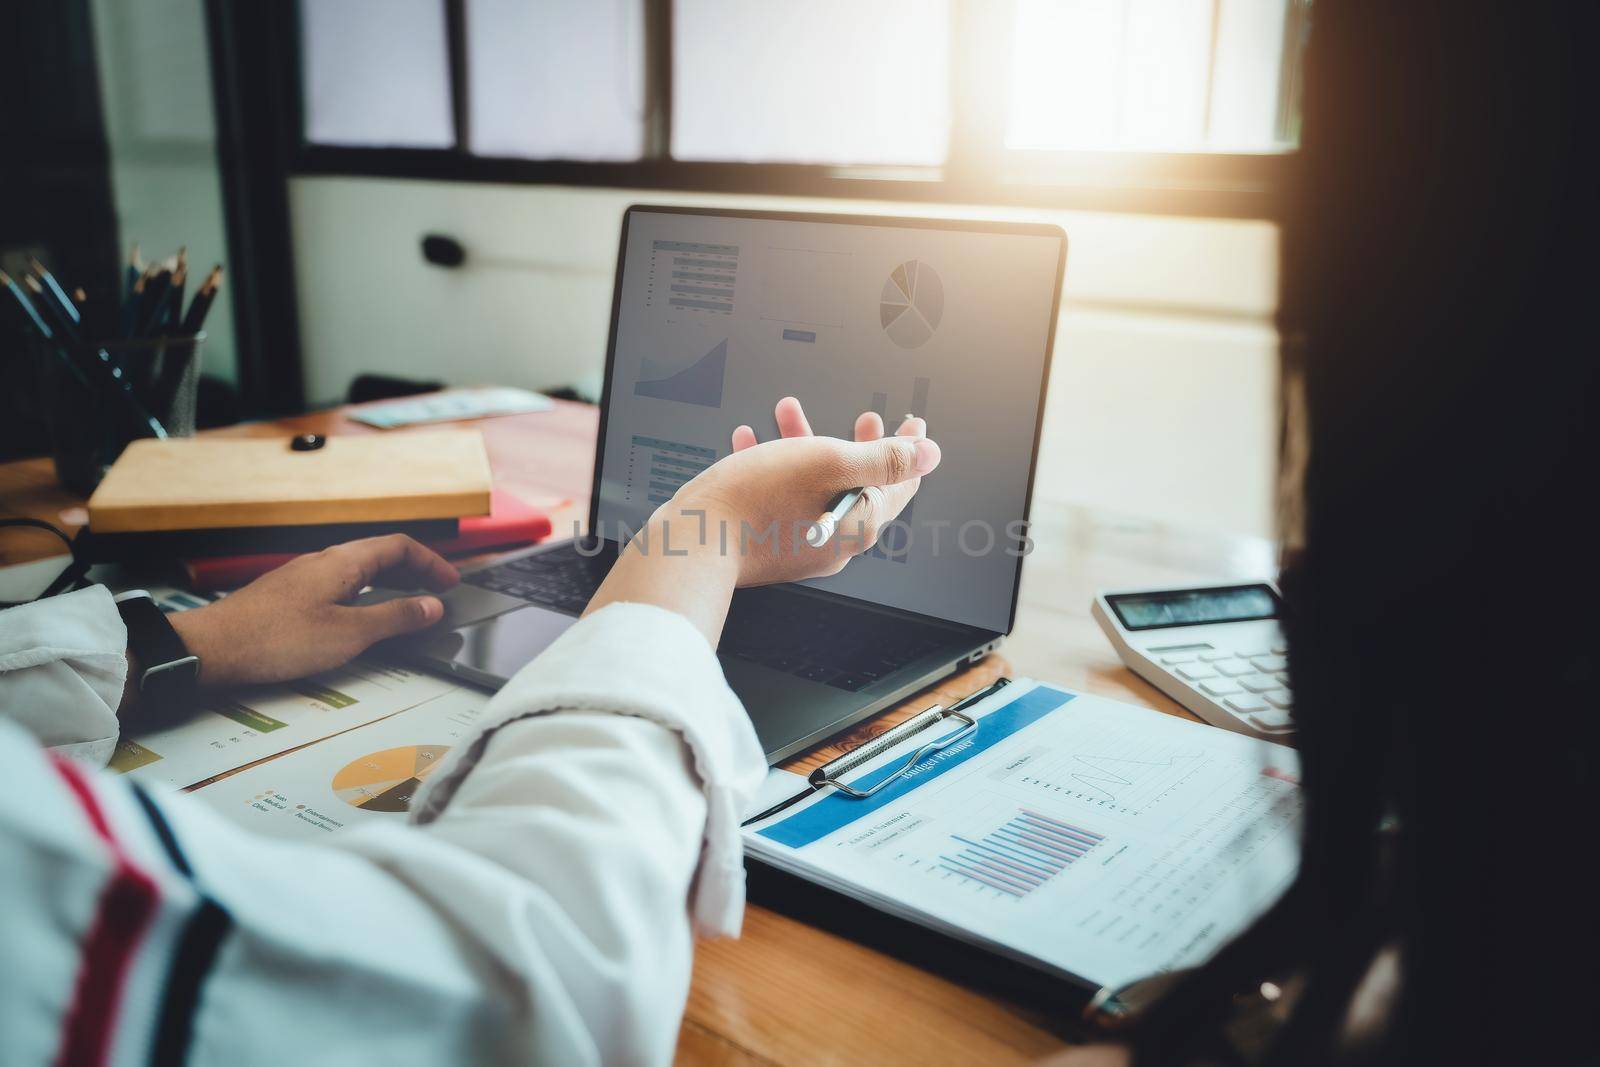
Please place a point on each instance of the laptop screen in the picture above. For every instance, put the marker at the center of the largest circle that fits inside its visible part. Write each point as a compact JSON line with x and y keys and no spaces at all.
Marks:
{"x":719,"y":316}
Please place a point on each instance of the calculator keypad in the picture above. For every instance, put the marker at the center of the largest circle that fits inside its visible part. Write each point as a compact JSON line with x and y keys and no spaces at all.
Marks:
{"x":1253,"y":683}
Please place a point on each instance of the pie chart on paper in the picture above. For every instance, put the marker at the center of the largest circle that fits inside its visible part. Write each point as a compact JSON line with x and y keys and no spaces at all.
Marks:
{"x":912,"y":303}
{"x":386,"y":781}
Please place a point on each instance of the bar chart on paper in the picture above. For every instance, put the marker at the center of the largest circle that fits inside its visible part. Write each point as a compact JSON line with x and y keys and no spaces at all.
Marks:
{"x":1020,"y":855}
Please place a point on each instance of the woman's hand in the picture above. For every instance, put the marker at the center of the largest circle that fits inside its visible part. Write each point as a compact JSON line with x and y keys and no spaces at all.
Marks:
{"x":743,"y":520}
{"x":780,"y":488}
{"x":297,"y":620}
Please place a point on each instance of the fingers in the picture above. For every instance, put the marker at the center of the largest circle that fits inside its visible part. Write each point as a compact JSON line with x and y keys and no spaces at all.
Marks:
{"x":791,"y":418}
{"x":913,"y":427}
{"x":399,"y":560}
{"x":887,"y":462}
{"x":394,"y":617}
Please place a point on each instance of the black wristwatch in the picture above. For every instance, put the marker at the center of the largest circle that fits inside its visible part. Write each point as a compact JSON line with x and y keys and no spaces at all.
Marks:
{"x":168,"y":673}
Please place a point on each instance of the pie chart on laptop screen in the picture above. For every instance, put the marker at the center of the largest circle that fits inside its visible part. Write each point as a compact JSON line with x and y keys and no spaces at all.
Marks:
{"x":912,"y":303}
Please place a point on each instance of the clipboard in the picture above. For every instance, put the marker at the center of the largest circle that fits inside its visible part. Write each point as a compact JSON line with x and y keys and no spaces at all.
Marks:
{"x":905,"y":939}
{"x":1034,"y":843}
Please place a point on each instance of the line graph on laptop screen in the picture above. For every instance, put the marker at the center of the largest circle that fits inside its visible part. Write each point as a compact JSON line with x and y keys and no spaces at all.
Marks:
{"x":718,"y":317}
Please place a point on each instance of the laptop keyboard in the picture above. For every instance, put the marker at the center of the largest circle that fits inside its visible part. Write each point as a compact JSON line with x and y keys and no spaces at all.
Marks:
{"x":813,"y":639}
{"x":798,"y":635}
{"x":562,"y":578}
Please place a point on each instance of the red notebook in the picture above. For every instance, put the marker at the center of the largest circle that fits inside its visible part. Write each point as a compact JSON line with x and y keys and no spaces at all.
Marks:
{"x":510,"y":523}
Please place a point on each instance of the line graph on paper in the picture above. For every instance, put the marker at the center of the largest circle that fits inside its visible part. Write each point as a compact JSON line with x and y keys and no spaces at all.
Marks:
{"x":1126,"y":775}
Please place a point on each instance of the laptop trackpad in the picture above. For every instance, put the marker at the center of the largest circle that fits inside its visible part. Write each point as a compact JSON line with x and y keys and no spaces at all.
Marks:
{"x":493,"y":650}
{"x":463,"y":605}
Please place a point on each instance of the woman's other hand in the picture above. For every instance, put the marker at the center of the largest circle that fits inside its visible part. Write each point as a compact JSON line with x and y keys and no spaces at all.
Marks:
{"x":298,"y":619}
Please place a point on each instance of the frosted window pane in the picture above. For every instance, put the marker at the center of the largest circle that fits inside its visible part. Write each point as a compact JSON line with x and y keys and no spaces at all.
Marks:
{"x":1132,"y":75}
{"x":1166,"y":46}
{"x":1244,"y":94}
{"x":376,"y":73}
{"x":828,"y":81}
{"x":560,"y":79}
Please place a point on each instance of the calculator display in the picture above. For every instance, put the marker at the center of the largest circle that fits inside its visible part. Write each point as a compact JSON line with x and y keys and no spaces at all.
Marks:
{"x":1194,"y":607}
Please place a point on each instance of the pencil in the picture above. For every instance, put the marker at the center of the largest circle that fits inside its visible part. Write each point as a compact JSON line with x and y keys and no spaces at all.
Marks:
{"x":134,"y":273}
{"x":52,"y":311}
{"x":202,"y":302}
{"x":41,"y":327}
{"x":152,"y":303}
{"x":173,"y":314}
{"x":32,"y":313}
{"x":59,"y":294}
{"x":130,"y":307}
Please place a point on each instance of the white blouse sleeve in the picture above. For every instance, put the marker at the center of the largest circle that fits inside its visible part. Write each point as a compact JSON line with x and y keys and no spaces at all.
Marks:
{"x":643,"y":662}
{"x":537,"y":910}
{"x":591,"y":820}
{"x":63,"y":662}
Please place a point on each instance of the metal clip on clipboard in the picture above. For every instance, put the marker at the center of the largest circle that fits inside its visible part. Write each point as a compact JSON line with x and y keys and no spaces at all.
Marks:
{"x":830,"y":773}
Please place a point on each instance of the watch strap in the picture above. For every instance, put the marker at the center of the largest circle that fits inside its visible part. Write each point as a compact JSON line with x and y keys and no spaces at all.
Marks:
{"x":167,"y":668}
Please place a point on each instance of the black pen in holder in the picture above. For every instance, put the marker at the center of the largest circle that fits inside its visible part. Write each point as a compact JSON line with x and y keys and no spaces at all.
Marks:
{"x":97,"y":396}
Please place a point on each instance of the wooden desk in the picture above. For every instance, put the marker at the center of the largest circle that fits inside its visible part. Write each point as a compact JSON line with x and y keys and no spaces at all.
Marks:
{"x":786,"y":992}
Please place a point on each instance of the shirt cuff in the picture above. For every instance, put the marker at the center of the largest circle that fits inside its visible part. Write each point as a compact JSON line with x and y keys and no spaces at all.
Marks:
{"x":644,"y":661}
{"x":63,"y":663}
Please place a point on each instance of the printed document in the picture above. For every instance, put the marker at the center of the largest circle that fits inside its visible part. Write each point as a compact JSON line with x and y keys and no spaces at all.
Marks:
{"x":1095,"y":840}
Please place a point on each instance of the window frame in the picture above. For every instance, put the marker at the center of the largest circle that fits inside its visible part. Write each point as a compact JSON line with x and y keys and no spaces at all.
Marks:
{"x":979,"y":170}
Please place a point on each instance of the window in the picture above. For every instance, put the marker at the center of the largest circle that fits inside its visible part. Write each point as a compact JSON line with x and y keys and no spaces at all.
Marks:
{"x":1146,"y":75}
{"x":1150,"y":104}
{"x":560,"y":79}
{"x":375,"y":72}
{"x":829,"y":81}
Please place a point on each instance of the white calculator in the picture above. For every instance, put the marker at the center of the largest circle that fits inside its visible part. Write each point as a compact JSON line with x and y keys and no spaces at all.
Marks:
{"x":1216,"y":650}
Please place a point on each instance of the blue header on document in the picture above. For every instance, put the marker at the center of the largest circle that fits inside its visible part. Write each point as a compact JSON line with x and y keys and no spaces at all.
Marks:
{"x":837,"y":810}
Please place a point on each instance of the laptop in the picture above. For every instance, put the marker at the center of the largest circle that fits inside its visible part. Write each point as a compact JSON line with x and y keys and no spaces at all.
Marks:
{"x":716,"y":315}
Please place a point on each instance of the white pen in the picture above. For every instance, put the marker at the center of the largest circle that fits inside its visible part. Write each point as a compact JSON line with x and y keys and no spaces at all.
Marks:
{"x":828,"y":521}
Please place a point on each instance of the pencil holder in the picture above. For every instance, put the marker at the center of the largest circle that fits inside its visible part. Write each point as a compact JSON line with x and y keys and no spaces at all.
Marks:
{"x":98,"y":396}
